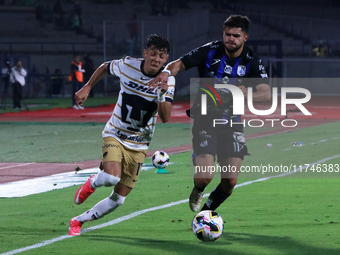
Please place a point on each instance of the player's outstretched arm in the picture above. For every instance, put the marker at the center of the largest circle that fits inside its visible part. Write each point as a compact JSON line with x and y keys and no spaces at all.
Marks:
{"x":164,"y":107}
{"x":164,"y":111}
{"x":83,"y":93}
{"x":171,"y":69}
{"x":263,"y":93}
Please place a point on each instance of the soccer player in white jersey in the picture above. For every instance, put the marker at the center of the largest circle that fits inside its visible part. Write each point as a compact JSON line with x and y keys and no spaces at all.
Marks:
{"x":128,"y":132}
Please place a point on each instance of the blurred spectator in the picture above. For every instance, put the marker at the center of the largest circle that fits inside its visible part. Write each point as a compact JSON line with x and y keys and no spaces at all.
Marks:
{"x":77,"y":79}
{"x":17,"y":78}
{"x":40,"y":13}
{"x":89,"y":70}
{"x":59,"y":13}
{"x":133,"y":30}
{"x":5,"y":74}
{"x":132,"y":27}
{"x":57,"y":82}
{"x":320,"y":50}
{"x":75,"y":20}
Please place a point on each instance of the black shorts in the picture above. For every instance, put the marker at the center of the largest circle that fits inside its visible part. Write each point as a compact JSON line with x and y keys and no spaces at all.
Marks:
{"x":225,"y":142}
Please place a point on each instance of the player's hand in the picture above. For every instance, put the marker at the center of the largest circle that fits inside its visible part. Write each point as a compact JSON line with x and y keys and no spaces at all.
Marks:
{"x":162,"y":88}
{"x":161,"y":78}
{"x":81,"y":95}
{"x":243,"y":89}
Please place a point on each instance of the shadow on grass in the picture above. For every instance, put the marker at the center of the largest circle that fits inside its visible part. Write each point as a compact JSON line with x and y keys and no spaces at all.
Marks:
{"x":270,"y":244}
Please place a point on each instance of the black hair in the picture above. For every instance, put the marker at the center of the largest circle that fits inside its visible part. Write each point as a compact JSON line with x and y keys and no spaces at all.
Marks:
{"x":236,"y":20}
{"x":158,"y":42}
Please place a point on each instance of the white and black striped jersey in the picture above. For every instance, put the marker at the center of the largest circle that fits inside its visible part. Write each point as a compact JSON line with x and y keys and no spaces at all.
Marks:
{"x":134,"y":116}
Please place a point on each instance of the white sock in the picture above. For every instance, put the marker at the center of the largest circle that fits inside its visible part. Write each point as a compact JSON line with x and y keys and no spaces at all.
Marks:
{"x":104,"y":179}
{"x":102,"y":208}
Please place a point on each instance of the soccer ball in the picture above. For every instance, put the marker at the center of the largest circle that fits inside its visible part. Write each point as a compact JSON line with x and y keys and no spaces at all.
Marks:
{"x":207,"y":226}
{"x":160,"y":159}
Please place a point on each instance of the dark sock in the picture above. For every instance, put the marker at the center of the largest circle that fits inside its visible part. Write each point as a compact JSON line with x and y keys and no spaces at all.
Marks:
{"x":216,"y":198}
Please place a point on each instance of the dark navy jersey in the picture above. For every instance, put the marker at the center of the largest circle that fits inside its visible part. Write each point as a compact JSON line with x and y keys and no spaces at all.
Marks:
{"x":212,"y":62}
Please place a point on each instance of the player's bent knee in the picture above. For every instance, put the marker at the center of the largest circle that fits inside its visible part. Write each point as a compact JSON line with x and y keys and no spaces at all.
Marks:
{"x":105,"y":179}
{"x":117,"y":198}
{"x":229,"y":183}
{"x":202,"y":182}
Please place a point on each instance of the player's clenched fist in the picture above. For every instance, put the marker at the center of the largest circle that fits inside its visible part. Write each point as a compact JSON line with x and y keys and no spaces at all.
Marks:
{"x":82,"y":95}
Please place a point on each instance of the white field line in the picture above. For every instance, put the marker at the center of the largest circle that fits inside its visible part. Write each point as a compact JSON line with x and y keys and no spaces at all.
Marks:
{"x":135,"y":214}
{"x":11,"y":166}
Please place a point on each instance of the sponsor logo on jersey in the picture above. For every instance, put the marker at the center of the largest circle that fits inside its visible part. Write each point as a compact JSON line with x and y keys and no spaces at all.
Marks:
{"x":191,"y":52}
{"x":213,"y":46}
{"x":132,"y":138}
{"x":225,"y":79}
{"x":110,"y":145}
{"x":141,"y":88}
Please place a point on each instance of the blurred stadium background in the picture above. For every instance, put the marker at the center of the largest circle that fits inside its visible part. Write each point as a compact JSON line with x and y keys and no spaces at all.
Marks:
{"x":283,"y":34}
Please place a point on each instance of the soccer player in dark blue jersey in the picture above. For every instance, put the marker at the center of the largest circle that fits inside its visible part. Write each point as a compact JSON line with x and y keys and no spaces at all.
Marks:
{"x":228,"y":61}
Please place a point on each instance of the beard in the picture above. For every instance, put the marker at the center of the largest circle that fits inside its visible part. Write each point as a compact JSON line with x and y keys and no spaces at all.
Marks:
{"x":233,"y":50}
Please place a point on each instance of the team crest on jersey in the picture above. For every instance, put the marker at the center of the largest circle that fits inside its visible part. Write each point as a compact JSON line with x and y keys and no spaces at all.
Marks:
{"x":228,"y":69}
{"x":241,"y":70}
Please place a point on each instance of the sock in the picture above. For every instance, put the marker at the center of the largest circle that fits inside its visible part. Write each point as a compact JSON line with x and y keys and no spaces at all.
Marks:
{"x":104,"y":179}
{"x":102,"y":208}
{"x":216,"y":198}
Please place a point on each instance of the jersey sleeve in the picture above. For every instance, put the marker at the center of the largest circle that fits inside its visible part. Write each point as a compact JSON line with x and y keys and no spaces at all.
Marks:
{"x":257,"y":74}
{"x":115,"y":67}
{"x":169,"y":95}
{"x":257,"y":69}
{"x":196,"y":57}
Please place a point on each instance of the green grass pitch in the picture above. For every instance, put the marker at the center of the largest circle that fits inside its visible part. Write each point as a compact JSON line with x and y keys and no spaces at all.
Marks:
{"x":278,"y":216}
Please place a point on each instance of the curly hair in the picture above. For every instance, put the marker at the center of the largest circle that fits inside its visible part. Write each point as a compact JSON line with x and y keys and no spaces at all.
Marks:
{"x":158,"y":42}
